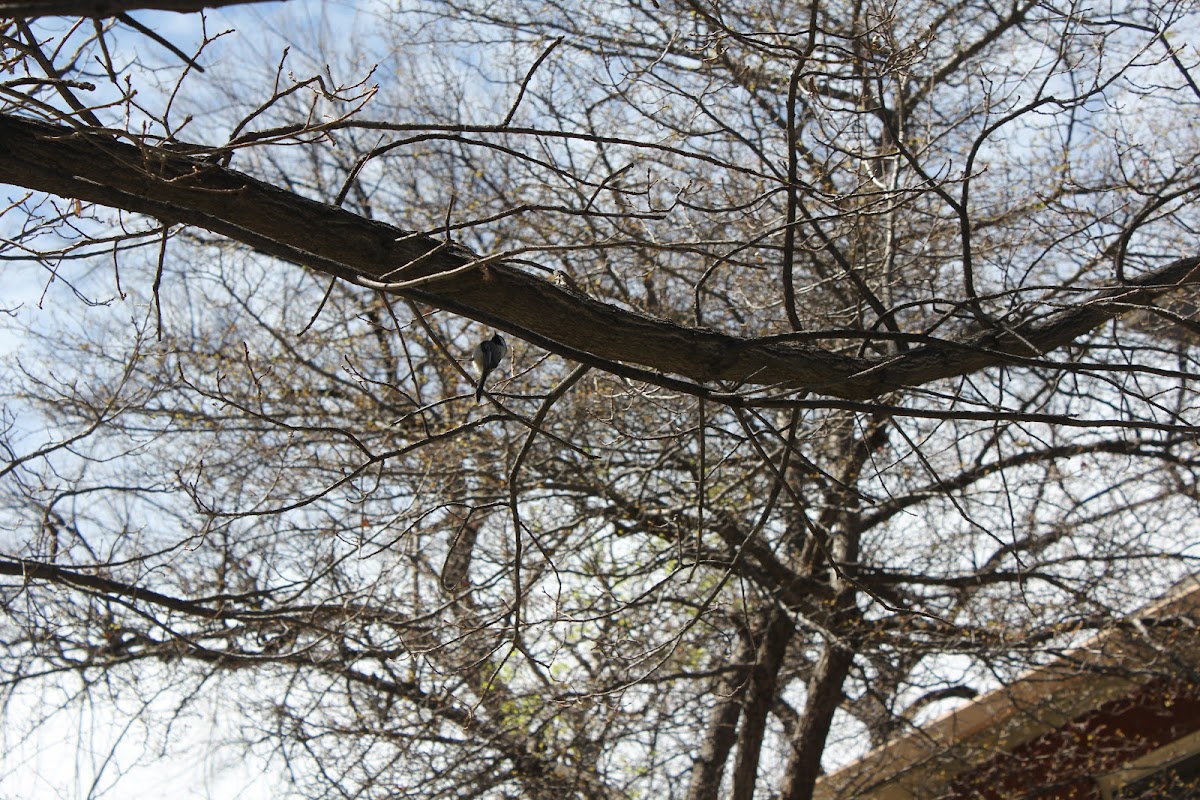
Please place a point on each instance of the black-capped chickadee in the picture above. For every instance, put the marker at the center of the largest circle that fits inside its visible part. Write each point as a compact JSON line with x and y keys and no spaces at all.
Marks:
{"x":488,"y":355}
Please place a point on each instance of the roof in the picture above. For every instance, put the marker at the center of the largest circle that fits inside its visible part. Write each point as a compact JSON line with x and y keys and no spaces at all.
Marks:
{"x":923,"y":763}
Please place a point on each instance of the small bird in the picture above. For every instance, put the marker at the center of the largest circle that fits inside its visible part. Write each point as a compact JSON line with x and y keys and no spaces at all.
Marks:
{"x":488,"y":355}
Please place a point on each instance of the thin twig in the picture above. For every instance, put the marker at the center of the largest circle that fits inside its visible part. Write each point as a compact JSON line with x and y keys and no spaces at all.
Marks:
{"x":158,"y":274}
{"x":317,"y":313}
{"x":142,"y":29}
{"x":525,"y":83}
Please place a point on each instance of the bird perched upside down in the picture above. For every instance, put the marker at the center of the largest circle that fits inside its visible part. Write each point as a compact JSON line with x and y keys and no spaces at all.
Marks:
{"x":488,"y":355}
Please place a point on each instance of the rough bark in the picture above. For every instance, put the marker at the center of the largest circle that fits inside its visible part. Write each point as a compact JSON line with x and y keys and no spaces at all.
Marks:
{"x":721,"y":728}
{"x":178,"y":189}
{"x":760,"y":699}
{"x":109,"y":8}
{"x":808,"y":743}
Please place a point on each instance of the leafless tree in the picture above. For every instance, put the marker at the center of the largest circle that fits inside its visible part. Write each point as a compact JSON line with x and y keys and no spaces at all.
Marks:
{"x":852,"y":373}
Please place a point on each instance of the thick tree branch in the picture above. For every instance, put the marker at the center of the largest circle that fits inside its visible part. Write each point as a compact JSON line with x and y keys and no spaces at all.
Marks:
{"x":721,"y":728}
{"x":40,"y":571}
{"x":96,"y":167}
{"x":761,"y":690}
{"x":808,"y":740}
{"x":108,"y":8}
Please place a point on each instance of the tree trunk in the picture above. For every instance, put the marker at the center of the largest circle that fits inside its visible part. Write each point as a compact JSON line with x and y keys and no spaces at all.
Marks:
{"x":824,"y":696}
{"x":760,"y":698}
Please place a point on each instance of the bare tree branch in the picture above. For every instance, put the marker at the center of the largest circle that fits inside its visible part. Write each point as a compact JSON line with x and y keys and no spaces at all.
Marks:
{"x":95,"y":167}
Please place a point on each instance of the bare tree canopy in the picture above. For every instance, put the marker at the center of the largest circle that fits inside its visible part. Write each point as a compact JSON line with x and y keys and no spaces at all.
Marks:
{"x":851,"y":372}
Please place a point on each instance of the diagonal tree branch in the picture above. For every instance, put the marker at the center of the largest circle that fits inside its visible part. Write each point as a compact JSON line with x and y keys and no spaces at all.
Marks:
{"x":95,"y":166}
{"x":108,"y":8}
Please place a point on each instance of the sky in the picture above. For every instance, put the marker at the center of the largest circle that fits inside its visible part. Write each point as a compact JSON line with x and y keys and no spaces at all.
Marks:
{"x":98,"y":749}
